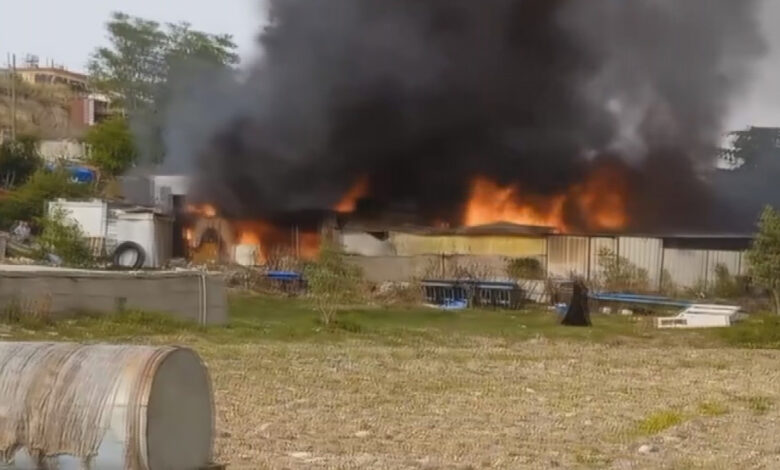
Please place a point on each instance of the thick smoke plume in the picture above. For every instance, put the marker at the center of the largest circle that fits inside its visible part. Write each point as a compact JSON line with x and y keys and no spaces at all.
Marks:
{"x":420,"y":96}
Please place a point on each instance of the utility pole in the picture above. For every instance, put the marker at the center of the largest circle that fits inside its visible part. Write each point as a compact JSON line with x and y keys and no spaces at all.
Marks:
{"x":13,"y":98}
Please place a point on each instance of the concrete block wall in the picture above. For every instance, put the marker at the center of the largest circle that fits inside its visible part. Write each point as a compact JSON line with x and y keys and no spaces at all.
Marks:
{"x":63,"y":292}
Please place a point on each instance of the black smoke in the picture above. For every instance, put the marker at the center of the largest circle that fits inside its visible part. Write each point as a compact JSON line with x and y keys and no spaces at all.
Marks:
{"x":420,"y":96}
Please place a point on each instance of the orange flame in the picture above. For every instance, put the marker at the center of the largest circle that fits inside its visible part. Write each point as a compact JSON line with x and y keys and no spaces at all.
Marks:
{"x":204,"y":210}
{"x":599,"y":203}
{"x":349,"y":202}
{"x":490,"y":203}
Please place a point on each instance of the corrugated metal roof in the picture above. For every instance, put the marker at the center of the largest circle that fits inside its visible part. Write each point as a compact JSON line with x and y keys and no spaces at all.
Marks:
{"x":499,"y":228}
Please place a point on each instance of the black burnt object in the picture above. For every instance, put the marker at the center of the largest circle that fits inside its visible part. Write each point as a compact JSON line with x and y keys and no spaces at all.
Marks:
{"x":578,"y":313}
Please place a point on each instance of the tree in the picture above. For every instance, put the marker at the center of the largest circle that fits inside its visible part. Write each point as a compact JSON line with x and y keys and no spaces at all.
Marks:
{"x":141,"y":59}
{"x":764,"y":255}
{"x":27,"y":202}
{"x":19,"y":159}
{"x":112,"y":148}
{"x":333,"y":282}
{"x":751,"y":144}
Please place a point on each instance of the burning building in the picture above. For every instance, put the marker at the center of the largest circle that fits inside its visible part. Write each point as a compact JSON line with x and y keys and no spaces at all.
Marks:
{"x":582,"y":118}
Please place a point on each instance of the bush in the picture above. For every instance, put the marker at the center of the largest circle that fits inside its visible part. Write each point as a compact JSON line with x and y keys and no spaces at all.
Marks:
{"x":727,"y":286}
{"x":525,"y":268}
{"x":65,"y":239}
{"x":619,"y":274}
{"x":764,"y":255}
{"x":333,"y":283}
{"x":19,"y":159}
{"x":27,"y":202}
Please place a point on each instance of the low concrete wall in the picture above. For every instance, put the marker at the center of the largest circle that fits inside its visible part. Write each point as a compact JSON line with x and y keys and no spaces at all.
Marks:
{"x":397,"y":268}
{"x":186,"y":295}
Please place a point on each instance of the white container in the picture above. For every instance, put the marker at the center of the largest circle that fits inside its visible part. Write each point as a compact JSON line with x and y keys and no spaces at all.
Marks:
{"x":153,"y":232}
{"x":246,"y":254}
{"x":104,"y":407}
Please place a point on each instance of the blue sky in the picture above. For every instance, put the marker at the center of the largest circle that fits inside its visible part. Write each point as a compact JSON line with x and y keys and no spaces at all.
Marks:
{"x":67,"y":31}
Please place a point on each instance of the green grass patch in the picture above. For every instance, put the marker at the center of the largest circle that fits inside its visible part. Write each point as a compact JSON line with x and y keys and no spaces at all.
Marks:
{"x":758,"y":404}
{"x":592,"y":458}
{"x":757,"y":331}
{"x":658,"y":422}
{"x":711,"y":408}
{"x":256,"y":318}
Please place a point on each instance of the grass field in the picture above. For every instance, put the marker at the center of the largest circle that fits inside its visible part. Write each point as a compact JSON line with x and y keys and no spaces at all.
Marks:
{"x":418,"y":388}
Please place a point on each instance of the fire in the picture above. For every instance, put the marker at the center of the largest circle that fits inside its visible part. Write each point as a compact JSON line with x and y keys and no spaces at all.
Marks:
{"x":490,"y":202}
{"x":204,"y":210}
{"x":272,"y":240}
{"x":349,"y":202}
{"x":602,"y":199}
{"x":248,"y":238}
{"x":598,"y":204}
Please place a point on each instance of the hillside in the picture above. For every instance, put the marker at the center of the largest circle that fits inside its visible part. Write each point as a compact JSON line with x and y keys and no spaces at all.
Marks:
{"x":40,"y":110}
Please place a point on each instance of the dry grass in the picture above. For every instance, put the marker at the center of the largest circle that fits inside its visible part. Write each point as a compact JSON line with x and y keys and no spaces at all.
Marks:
{"x":484,"y":405}
{"x":473,"y":398}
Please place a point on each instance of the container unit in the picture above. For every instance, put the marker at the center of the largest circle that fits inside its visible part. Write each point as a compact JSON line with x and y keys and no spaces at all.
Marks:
{"x":73,"y":407}
{"x":153,"y":232}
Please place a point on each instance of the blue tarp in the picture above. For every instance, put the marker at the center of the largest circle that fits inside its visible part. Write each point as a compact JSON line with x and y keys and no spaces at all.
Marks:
{"x":79,"y":174}
{"x":640,"y":299}
{"x":284,"y":276}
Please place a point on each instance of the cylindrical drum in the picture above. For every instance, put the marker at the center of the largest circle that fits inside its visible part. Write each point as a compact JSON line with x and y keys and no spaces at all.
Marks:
{"x":70,"y":406}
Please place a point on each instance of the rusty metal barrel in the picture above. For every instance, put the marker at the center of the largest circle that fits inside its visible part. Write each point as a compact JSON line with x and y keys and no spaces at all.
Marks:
{"x":70,"y":406}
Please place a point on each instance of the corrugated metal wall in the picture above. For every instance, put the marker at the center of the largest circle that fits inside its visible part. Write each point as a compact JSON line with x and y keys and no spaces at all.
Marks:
{"x":645,"y":253}
{"x":567,"y":256}
{"x":685,"y":268}
{"x":510,"y":246}
{"x":690,"y":268}
{"x":574,"y":255}
{"x":732,"y":260}
{"x":597,"y":244}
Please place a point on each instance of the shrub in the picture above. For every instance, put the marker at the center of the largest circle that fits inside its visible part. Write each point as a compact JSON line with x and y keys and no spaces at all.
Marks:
{"x":764,"y":255}
{"x":65,"y":239}
{"x":19,"y":159}
{"x":333,"y":283}
{"x":619,"y":274}
{"x":525,"y":268}
{"x":27,"y":202}
{"x":727,"y":286}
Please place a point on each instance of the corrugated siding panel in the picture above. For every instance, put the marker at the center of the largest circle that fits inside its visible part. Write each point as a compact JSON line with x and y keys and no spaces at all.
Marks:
{"x":686,"y":268}
{"x":596,"y":245}
{"x":567,"y":256}
{"x":645,"y":253}
{"x":731,"y":259}
{"x":510,"y":246}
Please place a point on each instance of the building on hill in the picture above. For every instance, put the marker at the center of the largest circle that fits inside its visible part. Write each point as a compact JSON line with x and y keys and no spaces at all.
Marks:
{"x":53,"y":76}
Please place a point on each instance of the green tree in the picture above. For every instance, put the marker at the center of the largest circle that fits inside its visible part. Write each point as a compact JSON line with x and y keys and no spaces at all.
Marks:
{"x":139,"y":63}
{"x":764,"y":255}
{"x":333,"y":283}
{"x":18,"y":160}
{"x":28,"y":201}
{"x":112,"y":148}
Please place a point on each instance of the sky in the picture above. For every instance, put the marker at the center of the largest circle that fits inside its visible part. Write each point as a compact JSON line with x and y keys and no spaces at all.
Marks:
{"x":68,"y":31}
